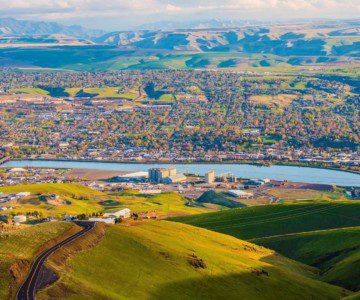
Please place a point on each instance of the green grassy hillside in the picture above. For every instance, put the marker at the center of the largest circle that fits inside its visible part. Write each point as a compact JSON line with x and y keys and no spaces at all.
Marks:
{"x":63,"y":189}
{"x":219,"y":198}
{"x":79,"y":199}
{"x":167,"y":260}
{"x":21,"y":245}
{"x":164,"y":204}
{"x":292,"y":217}
{"x":334,"y":251}
{"x":312,"y":232}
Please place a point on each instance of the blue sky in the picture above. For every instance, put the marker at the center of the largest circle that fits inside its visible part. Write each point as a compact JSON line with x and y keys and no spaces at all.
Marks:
{"x":125,"y":14}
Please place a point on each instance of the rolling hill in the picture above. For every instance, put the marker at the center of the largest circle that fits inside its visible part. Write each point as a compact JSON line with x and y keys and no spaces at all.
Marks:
{"x":285,"y":40}
{"x":10,"y":26}
{"x":321,"y":234}
{"x":167,"y":260}
{"x":77,"y":199}
{"x":269,"y":220}
{"x":33,"y":45}
{"x":335,"y":251}
{"x":19,"y":247}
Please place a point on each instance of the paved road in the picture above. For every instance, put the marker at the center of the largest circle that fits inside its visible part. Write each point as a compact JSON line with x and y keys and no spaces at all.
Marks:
{"x":28,"y":289}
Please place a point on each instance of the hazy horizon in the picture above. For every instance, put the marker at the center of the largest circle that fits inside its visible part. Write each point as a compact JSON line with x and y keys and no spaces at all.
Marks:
{"x":126,"y":14}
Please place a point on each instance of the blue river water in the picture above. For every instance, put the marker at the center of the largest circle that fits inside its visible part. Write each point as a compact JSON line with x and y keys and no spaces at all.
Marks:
{"x":291,"y":173}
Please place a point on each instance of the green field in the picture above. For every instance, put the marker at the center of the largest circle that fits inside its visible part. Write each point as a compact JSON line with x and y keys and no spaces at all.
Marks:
{"x":166,"y":98}
{"x":106,"y":92}
{"x":157,"y":259}
{"x":31,"y":91}
{"x":100,"y":58}
{"x":21,"y":245}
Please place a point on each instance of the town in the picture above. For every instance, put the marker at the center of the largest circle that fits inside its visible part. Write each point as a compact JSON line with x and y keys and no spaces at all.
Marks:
{"x":221,"y":189}
{"x":176,"y":116}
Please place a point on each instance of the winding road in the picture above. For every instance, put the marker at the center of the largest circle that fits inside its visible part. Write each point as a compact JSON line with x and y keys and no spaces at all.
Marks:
{"x":28,"y":289}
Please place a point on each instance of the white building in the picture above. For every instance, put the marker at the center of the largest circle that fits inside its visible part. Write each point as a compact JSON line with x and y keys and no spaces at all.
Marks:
{"x":210,"y":177}
{"x":124,"y":213}
{"x":104,"y":220}
{"x":240,"y":194}
{"x":150,"y":192}
{"x":19,"y":219}
{"x":175,"y":178}
{"x":23,"y":194}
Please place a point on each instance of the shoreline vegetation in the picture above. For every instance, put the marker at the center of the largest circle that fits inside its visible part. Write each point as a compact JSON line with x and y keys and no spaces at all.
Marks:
{"x":314,"y":165}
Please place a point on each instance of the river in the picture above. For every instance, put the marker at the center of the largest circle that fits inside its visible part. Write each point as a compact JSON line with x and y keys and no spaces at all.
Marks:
{"x":291,"y":173}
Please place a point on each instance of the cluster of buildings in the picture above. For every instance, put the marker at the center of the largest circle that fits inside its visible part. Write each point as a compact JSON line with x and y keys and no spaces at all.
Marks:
{"x":17,"y":176}
{"x":111,"y":218}
{"x":5,"y":198}
{"x":139,"y":154}
{"x":162,"y":175}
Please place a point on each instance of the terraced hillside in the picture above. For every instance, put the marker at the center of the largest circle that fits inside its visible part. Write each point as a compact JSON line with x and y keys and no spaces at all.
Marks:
{"x":167,"y":260}
{"x":321,"y":234}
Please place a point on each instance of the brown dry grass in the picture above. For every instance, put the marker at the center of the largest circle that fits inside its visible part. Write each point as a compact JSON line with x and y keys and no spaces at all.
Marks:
{"x":280,"y":100}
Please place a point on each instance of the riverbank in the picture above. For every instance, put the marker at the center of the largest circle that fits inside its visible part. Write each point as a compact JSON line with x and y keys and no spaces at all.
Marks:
{"x":294,"y":173}
{"x":230,"y":162}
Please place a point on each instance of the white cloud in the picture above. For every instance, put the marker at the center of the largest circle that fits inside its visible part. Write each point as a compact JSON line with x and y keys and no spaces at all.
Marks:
{"x":137,"y":10}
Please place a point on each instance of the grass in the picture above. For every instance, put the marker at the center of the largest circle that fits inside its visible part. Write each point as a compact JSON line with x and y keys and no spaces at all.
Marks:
{"x":334,"y":251}
{"x":32,"y":91}
{"x":325,"y":234}
{"x":281,"y":100}
{"x":166,"y":98}
{"x":62,"y":189}
{"x":304,"y":194}
{"x":80,"y":199}
{"x":22,"y":244}
{"x":106,"y":92}
{"x":219,"y":198}
{"x":151,"y":260}
{"x":164,"y":204}
{"x":292,"y":217}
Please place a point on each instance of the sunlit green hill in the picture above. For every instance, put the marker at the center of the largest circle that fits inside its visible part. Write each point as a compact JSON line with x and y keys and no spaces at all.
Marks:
{"x":321,"y":234}
{"x":335,"y":251}
{"x":168,"y":260}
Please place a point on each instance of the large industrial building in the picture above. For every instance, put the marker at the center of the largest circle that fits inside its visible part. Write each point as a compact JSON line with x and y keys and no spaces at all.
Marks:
{"x":210,"y":177}
{"x":162,"y":175}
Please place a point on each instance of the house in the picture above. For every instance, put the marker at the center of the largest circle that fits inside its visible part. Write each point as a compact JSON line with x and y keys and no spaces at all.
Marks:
{"x":124,"y":213}
{"x":23,"y":194}
{"x":240,"y":194}
{"x":20,"y":219}
{"x":150,"y":192}
{"x":104,"y":220}
{"x":69,"y":218}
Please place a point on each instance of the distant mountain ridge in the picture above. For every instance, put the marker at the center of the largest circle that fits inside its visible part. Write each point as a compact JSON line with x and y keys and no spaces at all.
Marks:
{"x":10,"y":26}
{"x":197,"y":24}
{"x":341,"y":38}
